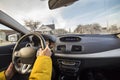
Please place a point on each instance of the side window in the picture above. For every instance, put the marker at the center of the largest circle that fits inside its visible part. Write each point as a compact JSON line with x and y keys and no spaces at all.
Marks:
{"x":7,"y":36}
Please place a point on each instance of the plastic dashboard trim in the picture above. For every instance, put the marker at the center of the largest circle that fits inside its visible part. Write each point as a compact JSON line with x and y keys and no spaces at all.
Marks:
{"x":107,"y":54}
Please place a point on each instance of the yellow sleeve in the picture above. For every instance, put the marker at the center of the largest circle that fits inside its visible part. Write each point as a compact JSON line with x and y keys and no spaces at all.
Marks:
{"x":2,"y":76}
{"x":42,"y":69}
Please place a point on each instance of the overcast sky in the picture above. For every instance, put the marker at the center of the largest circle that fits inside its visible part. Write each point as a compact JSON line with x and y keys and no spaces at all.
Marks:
{"x":81,"y":12}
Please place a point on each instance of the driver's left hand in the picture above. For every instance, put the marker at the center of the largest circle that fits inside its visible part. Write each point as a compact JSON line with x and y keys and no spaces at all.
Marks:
{"x":9,"y":73}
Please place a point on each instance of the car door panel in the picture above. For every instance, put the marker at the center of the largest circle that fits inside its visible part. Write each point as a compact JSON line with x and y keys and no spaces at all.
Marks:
{"x":5,"y":55}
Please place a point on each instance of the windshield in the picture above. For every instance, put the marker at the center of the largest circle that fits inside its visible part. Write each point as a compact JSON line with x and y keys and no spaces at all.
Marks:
{"x":82,"y":17}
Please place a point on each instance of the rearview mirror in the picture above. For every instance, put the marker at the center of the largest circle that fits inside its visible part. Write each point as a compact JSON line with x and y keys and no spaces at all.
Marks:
{"x":53,"y":4}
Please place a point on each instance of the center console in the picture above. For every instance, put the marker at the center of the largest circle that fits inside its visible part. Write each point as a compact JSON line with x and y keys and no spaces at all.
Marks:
{"x":68,"y":68}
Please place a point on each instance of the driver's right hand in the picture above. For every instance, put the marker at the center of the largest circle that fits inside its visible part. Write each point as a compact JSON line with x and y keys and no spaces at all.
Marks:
{"x":44,"y":52}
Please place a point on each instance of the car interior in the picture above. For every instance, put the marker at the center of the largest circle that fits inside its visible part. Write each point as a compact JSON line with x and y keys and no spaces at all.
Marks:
{"x":75,"y":56}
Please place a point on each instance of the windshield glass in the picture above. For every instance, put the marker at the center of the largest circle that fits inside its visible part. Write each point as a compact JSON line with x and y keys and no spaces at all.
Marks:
{"x":83,"y":17}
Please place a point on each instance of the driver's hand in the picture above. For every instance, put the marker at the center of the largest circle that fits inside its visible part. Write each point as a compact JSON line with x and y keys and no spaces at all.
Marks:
{"x":45,"y":52}
{"x":10,"y":72}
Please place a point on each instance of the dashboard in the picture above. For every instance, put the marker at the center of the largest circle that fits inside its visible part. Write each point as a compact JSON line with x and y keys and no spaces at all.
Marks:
{"x":86,"y":44}
{"x":74,"y":52}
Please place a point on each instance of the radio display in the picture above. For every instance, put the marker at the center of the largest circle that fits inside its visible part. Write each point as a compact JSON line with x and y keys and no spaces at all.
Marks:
{"x":70,"y":39}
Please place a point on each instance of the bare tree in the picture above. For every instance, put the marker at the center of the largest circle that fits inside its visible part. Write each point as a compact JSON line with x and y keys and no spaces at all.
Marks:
{"x":32,"y":24}
{"x":113,"y":29}
{"x":96,"y":28}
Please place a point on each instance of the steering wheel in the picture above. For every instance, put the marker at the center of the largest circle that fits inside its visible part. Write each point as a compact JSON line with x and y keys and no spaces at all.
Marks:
{"x":24,"y":58}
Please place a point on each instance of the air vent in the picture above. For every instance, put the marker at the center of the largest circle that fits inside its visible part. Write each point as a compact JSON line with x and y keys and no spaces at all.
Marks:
{"x":76,"y":48}
{"x":61,"y":47}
